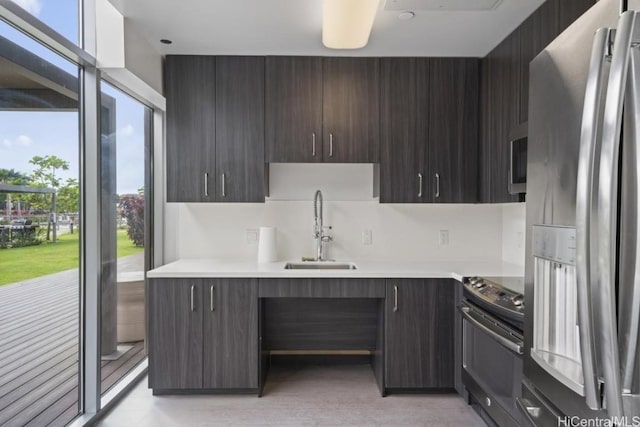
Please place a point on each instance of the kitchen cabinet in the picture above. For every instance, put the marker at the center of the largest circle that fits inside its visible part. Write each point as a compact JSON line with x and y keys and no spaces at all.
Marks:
{"x":175,"y":314}
{"x":230,"y":334}
{"x":203,"y":334}
{"x":505,"y":90}
{"x":240,"y":168}
{"x":401,"y":152}
{"x":452,"y":129}
{"x":419,"y":334}
{"x":429,"y":126}
{"x":351,"y":110}
{"x":215,"y":129}
{"x":294,"y":109}
{"x":189,"y":87}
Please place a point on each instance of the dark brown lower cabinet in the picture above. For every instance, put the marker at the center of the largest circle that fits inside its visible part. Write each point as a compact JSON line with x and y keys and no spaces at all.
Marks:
{"x":231,"y":333}
{"x":419,"y":333}
{"x":203,"y":334}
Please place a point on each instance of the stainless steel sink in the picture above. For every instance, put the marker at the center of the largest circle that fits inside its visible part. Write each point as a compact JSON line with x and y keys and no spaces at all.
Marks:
{"x":325,"y":265}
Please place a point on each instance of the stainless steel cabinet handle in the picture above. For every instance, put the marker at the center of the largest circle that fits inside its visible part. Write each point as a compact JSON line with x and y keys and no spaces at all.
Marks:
{"x":193,"y":297}
{"x":419,"y":184}
{"x":330,"y":145}
{"x":211,"y":291}
{"x":313,"y":144}
{"x":437,"y":185}
{"x":206,"y":184}
{"x":395,"y":298}
{"x":224,"y":187}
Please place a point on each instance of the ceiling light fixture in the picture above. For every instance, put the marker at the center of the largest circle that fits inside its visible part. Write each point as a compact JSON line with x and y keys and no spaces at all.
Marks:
{"x":346,"y":24}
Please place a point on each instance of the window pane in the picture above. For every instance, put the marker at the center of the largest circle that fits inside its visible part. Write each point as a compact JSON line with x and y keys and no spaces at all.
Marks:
{"x":125,"y":136}
{"x":61,"y":15}
{"x":39,"y":234}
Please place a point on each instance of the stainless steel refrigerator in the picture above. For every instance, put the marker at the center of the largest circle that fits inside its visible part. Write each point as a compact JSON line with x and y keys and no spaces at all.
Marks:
{"x":582,"y":288}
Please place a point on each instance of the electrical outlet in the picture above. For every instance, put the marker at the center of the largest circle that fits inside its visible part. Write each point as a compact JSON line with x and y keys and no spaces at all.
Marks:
{"x":251,"y":235}
{"x":367,"y":237}
{"x":443,"y":238}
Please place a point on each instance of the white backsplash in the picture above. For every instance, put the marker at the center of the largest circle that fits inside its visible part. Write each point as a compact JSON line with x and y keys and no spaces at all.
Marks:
{"x":513,"y":232}
{"x":399,"y":232}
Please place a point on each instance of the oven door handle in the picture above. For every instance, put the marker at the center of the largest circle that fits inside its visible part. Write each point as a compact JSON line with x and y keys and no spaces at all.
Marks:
{"x":510,"y":345}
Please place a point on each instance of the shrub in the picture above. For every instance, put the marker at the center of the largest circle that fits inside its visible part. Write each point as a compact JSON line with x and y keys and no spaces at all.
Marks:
{"x":132,"y":209}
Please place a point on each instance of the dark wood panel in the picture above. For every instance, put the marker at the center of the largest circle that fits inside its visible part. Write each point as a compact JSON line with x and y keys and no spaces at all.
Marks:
{"x":231,"y":334}
{"x":537,"y":32}
{"x":240,"y":129}
{"x":419,"y":334}
{"x":399,"y":160}
{"x":322,"y":288}
{"x":570,"y":10}
{"x":189,"y":85}
{"x":293,"y":108}
{"x":423,"y":151}
{"x":175,"y":333}
{"x":320,"y":324}
{"x":351,"y":109}
{"x":486,"y":131}
{"x":453,"y":130}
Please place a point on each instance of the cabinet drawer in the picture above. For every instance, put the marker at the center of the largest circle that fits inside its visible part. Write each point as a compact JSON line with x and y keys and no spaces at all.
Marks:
{"x":322,"y":288}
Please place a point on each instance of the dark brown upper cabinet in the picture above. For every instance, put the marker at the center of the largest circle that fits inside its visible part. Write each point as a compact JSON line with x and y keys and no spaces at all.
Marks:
{"x":294,"y":109}
{"x":189,"y":85}
{"x":351,"y":110}
{"x":428,"y":126}
{"x":453,"y":130}
{"x":240,"y":168}
{"x":401,"y":163}
{"x":215,"y":129}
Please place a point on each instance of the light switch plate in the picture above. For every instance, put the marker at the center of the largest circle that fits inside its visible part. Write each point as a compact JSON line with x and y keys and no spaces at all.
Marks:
{"x":367,"y":237}
{"x":443,"y":238}
{"x":251,"y":235}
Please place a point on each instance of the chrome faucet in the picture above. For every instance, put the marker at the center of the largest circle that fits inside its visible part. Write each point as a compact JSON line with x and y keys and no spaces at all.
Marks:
{"x":318,"y":227}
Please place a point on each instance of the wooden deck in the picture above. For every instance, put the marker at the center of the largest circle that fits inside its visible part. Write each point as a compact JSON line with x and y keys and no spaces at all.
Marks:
{"x":39,"y":350}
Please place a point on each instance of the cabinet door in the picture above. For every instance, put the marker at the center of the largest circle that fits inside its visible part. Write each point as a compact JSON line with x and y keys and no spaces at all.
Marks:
{"x":351,"y":110}
{"x":231,"y":333}
{"x":401,"y":166}
{"x":453,"y":130}
{"x":294,"y":109}
{"x":419,"y":333}
{"x":189,"y":84}
{"x":175,"y":334}
{"x":240,"y":170}
{"x":486,"y":130}
{"x":570,"y":10}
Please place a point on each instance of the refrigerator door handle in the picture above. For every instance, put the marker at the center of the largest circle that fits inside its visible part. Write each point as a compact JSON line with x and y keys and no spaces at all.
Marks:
{"x":629,"y":283}
{"x":605,"y":292}
{"x":591,"y":118}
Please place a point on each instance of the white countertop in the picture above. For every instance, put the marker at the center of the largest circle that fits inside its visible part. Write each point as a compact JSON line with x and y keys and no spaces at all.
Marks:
{"x":208,"y":268}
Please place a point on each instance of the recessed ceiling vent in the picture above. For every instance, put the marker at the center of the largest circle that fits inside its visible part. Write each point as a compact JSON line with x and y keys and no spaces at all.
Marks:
{"x":442,"y":5}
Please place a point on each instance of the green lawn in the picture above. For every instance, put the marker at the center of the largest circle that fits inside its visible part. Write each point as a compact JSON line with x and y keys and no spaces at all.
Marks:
{"x":19,"y":264}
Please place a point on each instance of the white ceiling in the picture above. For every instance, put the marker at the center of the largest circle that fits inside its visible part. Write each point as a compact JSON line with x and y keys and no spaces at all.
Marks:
{"x":293,"y":27}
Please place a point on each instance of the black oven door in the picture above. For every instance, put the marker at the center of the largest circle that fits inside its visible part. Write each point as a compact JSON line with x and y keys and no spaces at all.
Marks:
{"x":492,"y":364}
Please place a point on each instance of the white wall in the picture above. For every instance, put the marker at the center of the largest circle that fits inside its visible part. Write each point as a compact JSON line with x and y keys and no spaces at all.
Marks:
{"x":141,"y":58}
{"x":513,"y":232}
{"x":400,"y":232}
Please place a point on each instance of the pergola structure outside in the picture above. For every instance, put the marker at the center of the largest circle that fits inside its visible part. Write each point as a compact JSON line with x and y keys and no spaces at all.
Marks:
{"x":26,"y":189}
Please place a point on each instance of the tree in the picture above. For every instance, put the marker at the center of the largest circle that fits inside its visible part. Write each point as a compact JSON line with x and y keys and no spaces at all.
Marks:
{"x":13,"y":177}
{"x":132,"y":209}
{"x":69,"y":196}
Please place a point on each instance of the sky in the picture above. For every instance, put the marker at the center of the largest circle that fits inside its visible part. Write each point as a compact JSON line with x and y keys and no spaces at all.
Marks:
{"x":39,"y":133}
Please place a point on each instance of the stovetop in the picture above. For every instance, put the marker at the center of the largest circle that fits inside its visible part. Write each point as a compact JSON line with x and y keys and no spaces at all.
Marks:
{"x":501,"y":296}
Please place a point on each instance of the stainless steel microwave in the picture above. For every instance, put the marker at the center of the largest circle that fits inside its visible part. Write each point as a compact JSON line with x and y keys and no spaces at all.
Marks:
{"x":518,"y":160}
